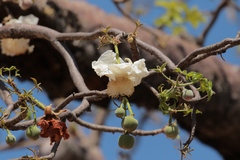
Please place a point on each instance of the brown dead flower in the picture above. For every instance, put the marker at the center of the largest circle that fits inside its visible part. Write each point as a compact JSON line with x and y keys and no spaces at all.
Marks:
{"x":52,"y":126}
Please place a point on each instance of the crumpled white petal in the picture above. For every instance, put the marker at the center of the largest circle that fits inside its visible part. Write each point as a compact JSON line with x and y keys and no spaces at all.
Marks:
{"x":128,"y":73}
{"x":13,"y":47}
{"x":29,"y":19}
{"x":138,"y":72}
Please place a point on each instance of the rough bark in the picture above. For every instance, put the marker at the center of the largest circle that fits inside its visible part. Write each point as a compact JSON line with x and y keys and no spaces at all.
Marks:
{"x":218,"y":126}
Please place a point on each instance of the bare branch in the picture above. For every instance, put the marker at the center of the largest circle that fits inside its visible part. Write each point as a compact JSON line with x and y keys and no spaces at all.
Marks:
{"x":157,"y":53}
{"x":215,"y":14}
{"x":235,"y":6}
{"x":75,"y":74}
{"x":53,"y":152}
{"x":116,"y":129}
{"x":193,"y":127}
{"x":35,"y":31}
{"x":204,"y":52}
{"x":154,"y":91}
{"x":79,"y":96}
{"x":117,"y":2}
{"x":5,"y":95}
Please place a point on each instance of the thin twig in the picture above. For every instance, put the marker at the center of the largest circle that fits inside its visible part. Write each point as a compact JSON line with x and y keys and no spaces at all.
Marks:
{"x":235,"y":6}
{"x":9,"y":109}
{"x":53,"y":152}
{"x":215,"y":14}
{"x":193,"y":127}
{"x":116,"y":129}
{"x":5,"y":95}
{"x":153,"y":90}
{"x":24,"y":110}
{"x":79,"y":96}
{"x":117,"y":2}
{"x":157,"y":53}
{"x":204,"y":52}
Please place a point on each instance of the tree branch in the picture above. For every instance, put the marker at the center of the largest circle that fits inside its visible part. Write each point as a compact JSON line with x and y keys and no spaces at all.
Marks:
{"x":75,"y":74}
{"x":215,"y":15}
{"x":205,"y":52}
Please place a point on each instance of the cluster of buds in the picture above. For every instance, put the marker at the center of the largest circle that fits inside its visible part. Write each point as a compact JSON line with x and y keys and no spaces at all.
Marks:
{"x":129,"y":124}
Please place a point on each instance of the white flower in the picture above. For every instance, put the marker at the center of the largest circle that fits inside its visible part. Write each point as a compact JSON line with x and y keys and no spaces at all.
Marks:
{"x":13,"y":47}
{"x":123,"y":76}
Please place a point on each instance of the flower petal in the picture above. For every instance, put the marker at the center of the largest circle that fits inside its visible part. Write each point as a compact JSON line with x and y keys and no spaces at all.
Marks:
{"x":101,"y":66}
{"x":123,"y":76}
{"x":120,"y":70}
{"x":120,"y":87}
{"x":138,"y":72}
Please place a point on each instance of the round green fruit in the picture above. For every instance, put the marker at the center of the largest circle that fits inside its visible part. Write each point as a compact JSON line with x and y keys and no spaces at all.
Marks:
{"x":129,"y":123}
{"x":10,"y":139}
{"x":187,"y":94}
{"x":33,"y":132}
{"x":120,"y":112}
{"x":171,"y":131}
{"x":126,"y":141}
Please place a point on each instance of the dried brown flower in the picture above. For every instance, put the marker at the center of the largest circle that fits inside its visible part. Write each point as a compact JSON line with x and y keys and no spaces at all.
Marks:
{"x":52,"y":127}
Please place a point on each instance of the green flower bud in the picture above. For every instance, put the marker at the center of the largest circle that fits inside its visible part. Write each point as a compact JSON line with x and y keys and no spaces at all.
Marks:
{"x":10,"y":139}
{"x":120,"y":112}
{"x":129,"y":123}
{"x":187,"y":94}
{"x":33,"y":132}
{"x":126,"y":141}
{"x":171,"y":131}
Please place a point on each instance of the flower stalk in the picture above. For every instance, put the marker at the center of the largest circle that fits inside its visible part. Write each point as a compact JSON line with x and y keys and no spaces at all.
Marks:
{"x":117,"y":53}
{"x":126,"y":102}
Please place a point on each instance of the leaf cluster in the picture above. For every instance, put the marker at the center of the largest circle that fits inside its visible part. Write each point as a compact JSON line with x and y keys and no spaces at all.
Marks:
{"x":177,"y":15}
{"x":25,"y":98}
{"x":171,"y":100}
{"x":205,"y":86}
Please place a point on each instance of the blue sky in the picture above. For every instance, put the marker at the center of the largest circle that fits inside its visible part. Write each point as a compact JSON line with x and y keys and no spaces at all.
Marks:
{"x":150,"y":147}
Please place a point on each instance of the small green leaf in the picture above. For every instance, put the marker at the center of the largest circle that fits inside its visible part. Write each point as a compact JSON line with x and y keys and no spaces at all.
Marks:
{"x":9,"y":69}
{"x":178,"y":30}
{"x":178,"y":70}
{"x":187,"y":112}
{"x":34,"y":81}
{"x":194,"y":17}
{"x":198,"y":112}
{"x":162,"y":68}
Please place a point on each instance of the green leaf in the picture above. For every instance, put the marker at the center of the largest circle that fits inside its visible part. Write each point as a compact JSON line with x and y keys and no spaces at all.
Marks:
{"x":178,"y":29}
{"x":187,"y":112}
{"x":194,"y":17}
{"x":34,"y":81}
{"x":178,"y":70}
{"x":198,"y":112}
{"x":177,"y":14}
{"x":194,"y":76}
{"x":162,"y":68}
{"x":9,"y":69}
{"x":206,"y":86}
{"x":190,"y":111}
